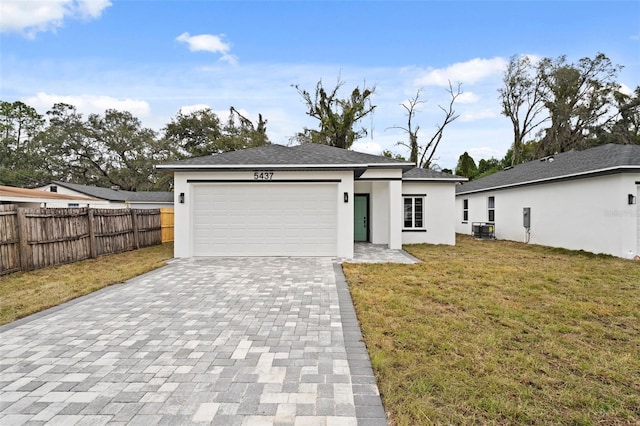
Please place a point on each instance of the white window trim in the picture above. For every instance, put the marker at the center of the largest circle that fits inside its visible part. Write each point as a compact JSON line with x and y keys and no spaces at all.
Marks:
{"x":413,"y":197}
{"x":491,"y":209}
{"x":465,"y":210}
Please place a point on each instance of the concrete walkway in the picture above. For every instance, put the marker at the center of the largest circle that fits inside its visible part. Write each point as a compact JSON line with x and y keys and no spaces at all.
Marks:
{"x":244,"y":341}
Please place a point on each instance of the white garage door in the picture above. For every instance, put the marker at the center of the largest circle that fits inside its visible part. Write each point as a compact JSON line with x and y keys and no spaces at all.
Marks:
{"x":266,"y":219}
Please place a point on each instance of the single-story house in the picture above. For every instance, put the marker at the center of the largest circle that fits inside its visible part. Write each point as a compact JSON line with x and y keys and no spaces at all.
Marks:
{"x":306,"y":200}
{"x":32,"y":198}
{"x":579,"y":200}
{"x":113,"y":198}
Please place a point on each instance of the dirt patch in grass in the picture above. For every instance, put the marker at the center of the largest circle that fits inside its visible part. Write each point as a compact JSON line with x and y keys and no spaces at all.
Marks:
{"x":25,"y":293}
{"x":495,"y":332}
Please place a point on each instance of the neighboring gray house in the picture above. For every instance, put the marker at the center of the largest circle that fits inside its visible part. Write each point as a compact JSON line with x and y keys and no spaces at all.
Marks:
{"x":306,"y":200}
{"x":115,"y":198}
{"x":582,"y":200}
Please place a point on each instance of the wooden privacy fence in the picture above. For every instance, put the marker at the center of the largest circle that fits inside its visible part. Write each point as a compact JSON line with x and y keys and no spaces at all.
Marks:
{"x":166,"y":222}
{"x":33,"y":238}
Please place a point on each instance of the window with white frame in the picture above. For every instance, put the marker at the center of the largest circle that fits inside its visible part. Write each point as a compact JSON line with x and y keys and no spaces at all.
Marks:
{"x":413,"y":206}
{"x":491,"y":209}
{"x":465,"y":210}
{"x":72,"y":205}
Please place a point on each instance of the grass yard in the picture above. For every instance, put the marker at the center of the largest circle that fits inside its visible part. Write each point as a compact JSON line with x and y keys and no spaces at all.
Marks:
{"x":496,"y":332}
{"x":25,"y":293}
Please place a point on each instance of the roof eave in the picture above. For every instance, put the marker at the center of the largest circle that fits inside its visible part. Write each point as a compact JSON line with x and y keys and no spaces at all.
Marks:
{"x":435,"y":179}
{"x":605,"y":171}
{"x":242,"y":167}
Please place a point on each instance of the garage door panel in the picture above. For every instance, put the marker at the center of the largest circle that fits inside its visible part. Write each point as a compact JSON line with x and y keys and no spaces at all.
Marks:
{"x":265,"y":220}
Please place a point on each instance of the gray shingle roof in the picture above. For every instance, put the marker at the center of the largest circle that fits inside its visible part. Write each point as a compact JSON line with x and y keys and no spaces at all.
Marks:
{"x":119,"y":195}
{"x":573,"y":164}
{"x":418,"y":173}
{"x":283,"y":156}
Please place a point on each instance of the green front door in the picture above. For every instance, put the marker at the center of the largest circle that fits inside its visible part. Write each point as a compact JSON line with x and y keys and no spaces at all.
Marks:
{"x":360,"y":217}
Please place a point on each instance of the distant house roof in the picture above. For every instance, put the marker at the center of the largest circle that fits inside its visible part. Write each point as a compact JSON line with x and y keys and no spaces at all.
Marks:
{"x":10,"y":193}
{"x":119,"y":195}
{"x":605,"y":159}
{"x":304,"y":156}
{"x":421,"y":174}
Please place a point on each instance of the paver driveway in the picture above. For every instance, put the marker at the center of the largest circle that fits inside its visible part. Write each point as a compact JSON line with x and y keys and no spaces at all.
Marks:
{"x":219,"y":341}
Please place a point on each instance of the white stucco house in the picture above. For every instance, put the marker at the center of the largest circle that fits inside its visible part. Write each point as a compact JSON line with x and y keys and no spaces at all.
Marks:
{"x":306,"y":200}
{"x":110,"y":197}
{"x":32,"y":198}
{"x":579,"y":200}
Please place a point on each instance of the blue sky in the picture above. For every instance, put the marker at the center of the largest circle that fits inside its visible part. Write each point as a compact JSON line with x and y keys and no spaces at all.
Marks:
{"x":155,"y":57}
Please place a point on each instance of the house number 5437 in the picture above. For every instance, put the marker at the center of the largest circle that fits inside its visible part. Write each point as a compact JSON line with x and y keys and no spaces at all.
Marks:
{"x":262,"y":175}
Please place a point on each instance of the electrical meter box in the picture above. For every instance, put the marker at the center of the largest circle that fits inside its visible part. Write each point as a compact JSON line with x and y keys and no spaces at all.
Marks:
{"x":526,"y":217}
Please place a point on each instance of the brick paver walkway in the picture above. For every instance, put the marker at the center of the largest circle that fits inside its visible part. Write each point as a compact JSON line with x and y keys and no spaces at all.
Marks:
{"x":209,"y":341}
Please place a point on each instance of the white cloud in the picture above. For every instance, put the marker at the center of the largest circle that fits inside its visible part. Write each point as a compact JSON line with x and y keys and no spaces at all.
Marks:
{"x":188,"y":109}
{"x":468,"y":72}
{"x":480,"y":114}
{"x":626,"y":89}
{"x":89,"y":104}
{"x":32,"y":16}
{"x":209,"y":43}
{"x":467,"y":98}
{"x":368,"y":147}
{"x":485,"y":152}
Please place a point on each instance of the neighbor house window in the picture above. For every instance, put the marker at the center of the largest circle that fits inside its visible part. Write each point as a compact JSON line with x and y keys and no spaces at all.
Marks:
{"x":53,"y":188}
{"x":73,"y":205}
{"x":465,"y":209}
{"x":491,"y":209}
{"x":413,"y":212}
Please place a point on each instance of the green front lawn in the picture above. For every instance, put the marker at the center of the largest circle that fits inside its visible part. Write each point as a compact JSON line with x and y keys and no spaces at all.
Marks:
{"x":496,"y":332}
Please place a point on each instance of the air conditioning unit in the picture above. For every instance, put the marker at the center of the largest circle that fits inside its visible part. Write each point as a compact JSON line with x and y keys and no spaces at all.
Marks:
{"x":483,"y":230}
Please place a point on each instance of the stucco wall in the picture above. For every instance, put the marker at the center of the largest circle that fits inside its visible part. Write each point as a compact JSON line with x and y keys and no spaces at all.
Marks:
{"x":439,"y":213}
{"x":589,"y":214}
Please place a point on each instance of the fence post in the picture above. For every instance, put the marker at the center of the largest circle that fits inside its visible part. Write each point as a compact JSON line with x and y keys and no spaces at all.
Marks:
{"x":134,"y":224}
{"x":23,"y":237}
{"x":92,"y":234}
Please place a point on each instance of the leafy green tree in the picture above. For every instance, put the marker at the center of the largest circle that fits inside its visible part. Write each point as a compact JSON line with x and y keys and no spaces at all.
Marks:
{"x":337,"y":117}
{"x":466,"y":166}
{"x":22,"y":157}
{"x":107,"y":150}
{"x":245,"y":134}
{"x":579,"y":99}
{"x":194,"y":134}
{"x":625,"y":127}
{"x":390,"y":154}
{"x":201,"y":133}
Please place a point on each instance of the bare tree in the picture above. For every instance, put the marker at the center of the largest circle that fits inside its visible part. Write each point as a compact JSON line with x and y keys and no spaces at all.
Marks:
{"x":522,"y":98}
{"x":423,"y":155}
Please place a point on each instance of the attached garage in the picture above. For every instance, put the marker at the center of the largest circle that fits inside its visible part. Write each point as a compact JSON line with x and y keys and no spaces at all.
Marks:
{"x":264,"y":219}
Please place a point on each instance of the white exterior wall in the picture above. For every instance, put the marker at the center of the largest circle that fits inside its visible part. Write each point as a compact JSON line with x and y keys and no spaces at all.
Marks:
{"x":590,"y":214}
{"x":182,"y":212}
{"x":440,"y":208}
{"x":379,"y":213}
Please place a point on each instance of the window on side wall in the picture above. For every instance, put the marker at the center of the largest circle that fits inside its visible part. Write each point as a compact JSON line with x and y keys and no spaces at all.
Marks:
{"x":491,"y":209}
{"x":73,"y":205}
{"x":465,"y":210}
{"x":413,"y":206}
